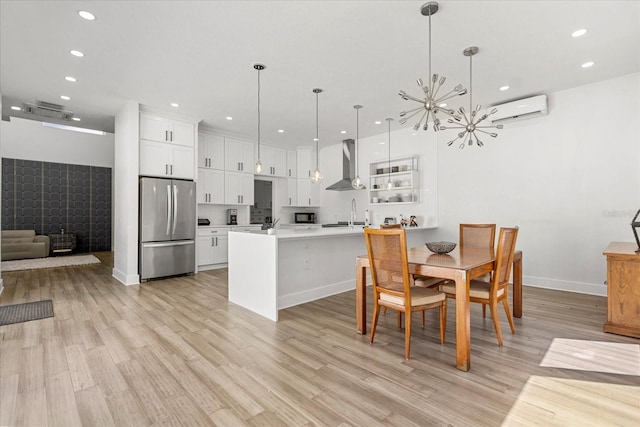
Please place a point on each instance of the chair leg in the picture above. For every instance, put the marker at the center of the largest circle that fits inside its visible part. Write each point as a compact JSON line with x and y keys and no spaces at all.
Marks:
{"x":407,"y":334}
{"x":399,"y":320}
{"x":443,"y":320}
{"x":422,"y":317}
{"x":496,"y":321}
{"x":374,"y":321}
{"x":505,"y":302}
{"x":484,"y":311}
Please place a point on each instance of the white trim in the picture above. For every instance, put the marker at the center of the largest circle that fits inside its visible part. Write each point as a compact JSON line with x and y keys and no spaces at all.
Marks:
{"x":132,"y":279}
{"x":565,"y":285}
{"x":290,"y":300}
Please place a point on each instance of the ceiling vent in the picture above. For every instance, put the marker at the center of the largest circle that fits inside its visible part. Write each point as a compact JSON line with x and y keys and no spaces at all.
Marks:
{"x":48,"y":110}
{"x":521,"y":109}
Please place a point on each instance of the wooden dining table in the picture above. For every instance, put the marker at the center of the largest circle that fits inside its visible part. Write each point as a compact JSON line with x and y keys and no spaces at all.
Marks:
{"x":461,"y":265}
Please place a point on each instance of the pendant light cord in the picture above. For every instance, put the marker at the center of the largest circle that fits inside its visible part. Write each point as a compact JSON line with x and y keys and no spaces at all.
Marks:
{"x":258,"y":115}
{"x":470,"y":83}
{"x":317,"y":137}
{"x":389,"y":144}
{"x":357,"y":139}
{"x":429,"y":76}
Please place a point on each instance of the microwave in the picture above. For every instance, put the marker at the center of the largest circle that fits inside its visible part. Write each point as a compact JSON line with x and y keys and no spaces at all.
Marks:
{"x":304,"y":218}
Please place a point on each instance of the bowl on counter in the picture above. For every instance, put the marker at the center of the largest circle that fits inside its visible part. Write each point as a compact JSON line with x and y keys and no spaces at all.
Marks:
{"x":441,"y":247}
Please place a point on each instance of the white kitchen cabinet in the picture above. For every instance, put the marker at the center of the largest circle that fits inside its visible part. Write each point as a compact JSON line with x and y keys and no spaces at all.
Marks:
{"x":274,"y":160}
{"x":238,"y":188}
{"x":213,"y":246}
{"x":303,"y":162}
{"x":308,"y":194}
{"x":405,"y":181}
{"x":292,"y":167}
{"x":210,"y":187}
{"x":162,"y":129}
{"x":292,"y":193}
{"x":239,"y":156}
{"x":166,"y":160}
{"x":210,"y":151}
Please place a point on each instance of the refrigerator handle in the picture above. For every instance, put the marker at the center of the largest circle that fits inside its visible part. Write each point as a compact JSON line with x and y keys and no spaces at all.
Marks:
{"x":175,"y":208}
{"x":169,"y":220}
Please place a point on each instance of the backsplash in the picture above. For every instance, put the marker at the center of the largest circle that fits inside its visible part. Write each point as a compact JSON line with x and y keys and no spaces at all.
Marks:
{"x":49,"y":197}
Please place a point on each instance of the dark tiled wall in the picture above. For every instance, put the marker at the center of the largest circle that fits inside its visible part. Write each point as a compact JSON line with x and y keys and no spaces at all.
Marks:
{"x":47,"y":197}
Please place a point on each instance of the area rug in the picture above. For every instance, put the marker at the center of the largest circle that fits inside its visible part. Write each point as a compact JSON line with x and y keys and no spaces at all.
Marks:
{"x":50,"y":262}
{"x":18,"y":313}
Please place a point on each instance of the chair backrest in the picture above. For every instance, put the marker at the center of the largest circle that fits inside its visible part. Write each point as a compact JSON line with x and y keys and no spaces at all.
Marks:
{"x":387,"y":250}
{"x":390,"y":226}
{"x":478,"y":235}
{"x":504,"y":256}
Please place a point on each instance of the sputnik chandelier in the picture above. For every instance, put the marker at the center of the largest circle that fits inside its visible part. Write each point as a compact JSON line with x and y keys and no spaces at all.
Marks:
{"x":433,"y":101}
{"x":471,"y":125}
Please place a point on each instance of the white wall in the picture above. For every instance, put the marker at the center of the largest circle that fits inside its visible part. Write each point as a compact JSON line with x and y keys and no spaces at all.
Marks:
{"x":29,"y":140}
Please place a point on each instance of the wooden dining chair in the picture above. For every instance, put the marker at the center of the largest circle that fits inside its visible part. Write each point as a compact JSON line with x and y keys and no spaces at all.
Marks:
{"x":387,"y":250}
{"x":387,"y":226}
{"x":491,"y":293}
{"x":479,"y":236}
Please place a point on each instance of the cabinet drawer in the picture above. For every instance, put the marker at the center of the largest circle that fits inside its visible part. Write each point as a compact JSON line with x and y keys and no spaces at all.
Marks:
{"x":212,"y":231}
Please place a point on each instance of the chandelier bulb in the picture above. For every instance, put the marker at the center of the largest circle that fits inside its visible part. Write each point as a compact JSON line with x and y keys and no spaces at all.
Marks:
{"x":434,"y":78}
{"x":493,"y":111}
{"x":419,"y":81}
{"x":389,"y":185}
{"x":450,"y":142}
{"x":499,"y":126}
{"x":461,"y":110}
{"x":493,"y":134}
{"x":258,"y":167}
{"x":357,"y":183}
{"x":442,"y":80}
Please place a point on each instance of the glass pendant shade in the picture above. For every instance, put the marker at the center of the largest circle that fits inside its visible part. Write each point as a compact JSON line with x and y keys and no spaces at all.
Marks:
{"x":316,"y":176}
{"x":357,"y":183}
{"x":258,"y":167}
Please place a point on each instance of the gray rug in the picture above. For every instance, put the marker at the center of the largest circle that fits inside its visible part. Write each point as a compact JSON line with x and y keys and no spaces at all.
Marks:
{"x":49,"y":262}
{"x":18,"y":313}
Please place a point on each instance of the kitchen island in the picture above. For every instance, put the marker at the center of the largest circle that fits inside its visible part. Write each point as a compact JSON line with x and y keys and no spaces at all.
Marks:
{"x":270,"y":272}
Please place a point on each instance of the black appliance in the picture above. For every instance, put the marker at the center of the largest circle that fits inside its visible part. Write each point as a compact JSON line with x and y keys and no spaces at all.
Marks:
{"x":304,"y":218}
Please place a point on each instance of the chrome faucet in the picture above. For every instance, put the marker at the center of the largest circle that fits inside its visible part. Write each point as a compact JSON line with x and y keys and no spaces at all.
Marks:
{"x":352,"y":217}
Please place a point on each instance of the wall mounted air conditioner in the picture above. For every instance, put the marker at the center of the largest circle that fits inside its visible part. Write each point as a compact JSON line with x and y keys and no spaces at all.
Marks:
{"x":47,"y":110}
{"x":521,"y":109}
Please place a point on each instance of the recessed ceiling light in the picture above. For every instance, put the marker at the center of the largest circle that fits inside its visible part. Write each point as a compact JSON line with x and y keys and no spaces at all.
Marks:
{"x":343,"y":131}
{"x":413,"y":134}
{"x":578,"y":33}
{"x":70,"y":79}
{"x":229,"y":118}
{"x":86,"y":15}
{"x":381,"y":143}
{"x":588,"y":64}
{"x":65,"y":97}
{"x":76,"y":53}
{"x":280,"y":130}
{"x":503,"y":88}
{"x":173,"y":104}
{"x":16,"y":108}
{"x":377,"y":122}
{"x":77,"y":119}
{"x":444,"y":104}
{"x":315,"y":139}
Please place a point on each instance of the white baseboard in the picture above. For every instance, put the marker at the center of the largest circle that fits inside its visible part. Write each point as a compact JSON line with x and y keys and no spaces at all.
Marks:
{"x":290,"y":300}
{"x":131,"y":279}
{"x":1,"y":285}
{"x":565,"y":285}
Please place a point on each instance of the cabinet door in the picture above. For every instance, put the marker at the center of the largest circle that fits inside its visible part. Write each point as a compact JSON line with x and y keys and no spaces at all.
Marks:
{"x":247,"y":157}
{"x":202,"y":189}
{"x":279,"y":162}
{"x":155,"y":158}
{"x":154,"y":128}
{"x":304,"y":192}
{"x":206,"y":250}
{"x":247,"y":188}
{"x":232,"y":187}
{"x":304,"y":162}
{"x":232,"y":155}
{"x":182,"y":165}
{"x":215,"y":182}
{"x":182,"y":133}
{"x":221,"y":250}
{"x":292,"y":192}
{"x":292,"y":167}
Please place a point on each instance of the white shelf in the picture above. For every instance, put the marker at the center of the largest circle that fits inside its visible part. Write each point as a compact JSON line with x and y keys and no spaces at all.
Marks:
{"x":404,"y":176}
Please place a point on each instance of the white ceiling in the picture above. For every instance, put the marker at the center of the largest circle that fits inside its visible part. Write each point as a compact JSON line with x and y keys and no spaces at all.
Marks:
{"x":200,"y":55}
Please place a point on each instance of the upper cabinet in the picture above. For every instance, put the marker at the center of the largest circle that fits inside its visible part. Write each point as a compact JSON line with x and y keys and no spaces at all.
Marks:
{"x":162,"y":129}
{"x":303,"y":162}
{"x":292,"y":167}
{"x":274,"y":160}
{"x":166,"y":147}
{"x":239,"y":156}
{"x":210,"y":151}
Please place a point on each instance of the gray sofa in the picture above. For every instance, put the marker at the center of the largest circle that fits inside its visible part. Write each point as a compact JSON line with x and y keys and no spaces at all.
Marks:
{"x":22,"y":244}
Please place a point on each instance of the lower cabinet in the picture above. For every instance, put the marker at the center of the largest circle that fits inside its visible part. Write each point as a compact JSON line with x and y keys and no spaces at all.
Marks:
{"x":213,"y":247}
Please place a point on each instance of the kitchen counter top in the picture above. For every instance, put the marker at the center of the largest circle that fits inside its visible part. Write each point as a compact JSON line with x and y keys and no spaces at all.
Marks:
{"x":306,"y":233}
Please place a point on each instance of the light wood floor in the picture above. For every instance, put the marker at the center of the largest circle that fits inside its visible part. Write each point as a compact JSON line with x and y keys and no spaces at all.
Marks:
{"x":175,"y":352}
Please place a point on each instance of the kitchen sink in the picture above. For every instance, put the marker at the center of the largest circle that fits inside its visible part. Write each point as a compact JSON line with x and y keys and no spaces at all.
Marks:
{"x":341,"y":224}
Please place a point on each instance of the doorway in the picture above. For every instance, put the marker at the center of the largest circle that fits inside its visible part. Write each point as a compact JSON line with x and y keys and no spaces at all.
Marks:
{"x":261,"y":212}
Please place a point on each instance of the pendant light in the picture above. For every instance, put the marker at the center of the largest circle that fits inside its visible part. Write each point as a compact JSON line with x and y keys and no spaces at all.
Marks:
{"x":316,"y":176}
{"x":433,"y":102}
{"x":471,"y":126}
{"x":389,"y":184}
{"x":259,"y":67}
{"x":357,"y":183}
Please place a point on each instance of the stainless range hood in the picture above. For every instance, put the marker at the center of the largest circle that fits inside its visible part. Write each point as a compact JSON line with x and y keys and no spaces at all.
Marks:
{"x":348,"y":167}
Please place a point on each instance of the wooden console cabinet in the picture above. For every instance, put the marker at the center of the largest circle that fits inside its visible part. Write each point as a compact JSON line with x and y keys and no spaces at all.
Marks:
{"x":623,"y":289}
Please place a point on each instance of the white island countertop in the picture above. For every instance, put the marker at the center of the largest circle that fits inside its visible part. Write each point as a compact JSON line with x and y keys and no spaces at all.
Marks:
{"x":270,"y":272}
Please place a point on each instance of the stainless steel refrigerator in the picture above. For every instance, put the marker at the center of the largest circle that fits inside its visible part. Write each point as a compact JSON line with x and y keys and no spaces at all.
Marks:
{"x":167,"y":227}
